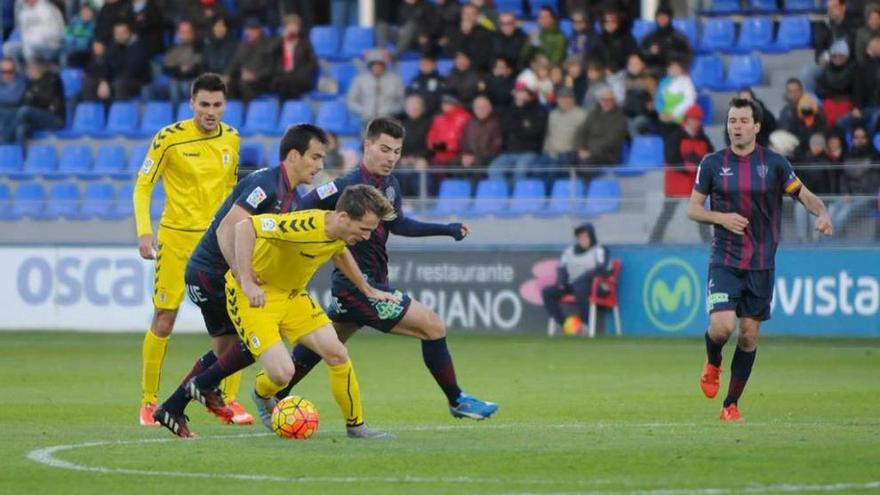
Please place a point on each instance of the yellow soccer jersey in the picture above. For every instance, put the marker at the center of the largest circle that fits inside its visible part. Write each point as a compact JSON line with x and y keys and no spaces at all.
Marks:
{"x":290,"y":248}
{"x":198,"y":171}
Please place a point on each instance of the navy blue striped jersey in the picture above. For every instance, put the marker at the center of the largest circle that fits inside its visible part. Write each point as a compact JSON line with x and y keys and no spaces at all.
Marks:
{"x":752,"y":186}
{"x":263,"y":191}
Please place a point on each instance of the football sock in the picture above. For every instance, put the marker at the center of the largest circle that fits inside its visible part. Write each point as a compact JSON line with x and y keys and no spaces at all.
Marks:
{"x":740,"y":369}
{"x":264,"y":386}
{"x":439,"y":363}
{"x":178,"y":400}
{"x":347,"y":392}
{"x":229,"y":386}
{"x":236,"y":358}
{"x":153,"y":356}
{"x":713,"y":350}
{"x":304,"y":359}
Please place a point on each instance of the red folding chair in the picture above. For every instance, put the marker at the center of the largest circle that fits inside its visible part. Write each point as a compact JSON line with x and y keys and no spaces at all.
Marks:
{"x":606,"y":298}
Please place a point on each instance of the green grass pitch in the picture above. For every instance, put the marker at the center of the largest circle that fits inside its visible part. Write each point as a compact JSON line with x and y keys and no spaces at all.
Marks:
{"x":613,"y":415}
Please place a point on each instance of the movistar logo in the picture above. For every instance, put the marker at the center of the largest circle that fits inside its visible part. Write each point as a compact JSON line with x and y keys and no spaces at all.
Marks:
{"x":670,"y":294}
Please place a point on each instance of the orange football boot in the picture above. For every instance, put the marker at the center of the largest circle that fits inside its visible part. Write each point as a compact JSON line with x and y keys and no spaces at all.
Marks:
{"x":146,"y":414}
{"x":241,"y":416}
{"x":709,"y":380}
{"x":730,"y":413}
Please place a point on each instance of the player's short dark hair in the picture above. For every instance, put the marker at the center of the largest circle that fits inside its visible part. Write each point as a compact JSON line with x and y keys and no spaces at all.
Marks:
{"x":384,"y":125}
{"x":208,"y":81}
{"x":757,"y":113}
{"x":359,"y":199}
{"x":297,"y":137}
{"x":794,"y":80}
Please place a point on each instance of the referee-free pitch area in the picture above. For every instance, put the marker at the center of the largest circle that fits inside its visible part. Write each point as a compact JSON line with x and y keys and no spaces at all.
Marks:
{"x":613,"y":415}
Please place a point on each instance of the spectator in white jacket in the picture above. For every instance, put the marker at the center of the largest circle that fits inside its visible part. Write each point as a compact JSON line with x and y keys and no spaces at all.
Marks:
{"x":376,"y":92}
{"x":675,"y":94}
{"x":42,"y":31}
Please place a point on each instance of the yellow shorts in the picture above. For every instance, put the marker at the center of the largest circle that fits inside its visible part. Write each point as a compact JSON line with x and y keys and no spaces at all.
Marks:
{"x":175,"y":247}
{"x":291,"y":315}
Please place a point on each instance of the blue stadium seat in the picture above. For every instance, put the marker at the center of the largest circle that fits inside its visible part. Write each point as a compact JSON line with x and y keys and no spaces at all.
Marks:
{"x":688,"y":27}
{"x":705,"y":102}
{"x":63,"y":201}
{"x":157,"y":114}
{"x":646,"y":152}
{"x":110,"y":161}
{"x":29,"y":201}
{"x":794,"y":32}
{"x":253,"y":155}
{"x":294,"y":112}
{"x":491,"y":198}
{"x":76,"y":161}
{"x":528,"y":197}
{"x":453,"y":198}
{"x":123,"y":205}
{"x":567,"y":28}
{"x":514,"y":6}
{"x":334,"y":117}
{"x":343,"y":73}
{"x":184,"y":111}
{"x":642,"y":28}
{"x":42,"y":159}
{"x":157,"y":203}
{"x":756,"y":33}
{"x":325,"y":39}
{"x":603,"y":196}
{"x":529,"y":26}
{"x":565,"y":196}
{"x":763,"y":6}
{"x":234,"y":114}
{"x":11,"y":159}
{"x":707,"y":72}
{"x":724,"y":6}
{"x":877,"y":141}
{"x":98,"y":201}
{"x":262,"y":117}
{"x":719,"y":34}
{"x":121,"y":120}
{"x":88,"y":118}
{"x":744,"y":70}
{"x":136,"y":157}
{"x":5,"y":202}
{"x":356,"y":41}
{"x":801,"y":6}
{"x":408,"y":70}
{"x":444,"y":66}
{"x":71,"y":80}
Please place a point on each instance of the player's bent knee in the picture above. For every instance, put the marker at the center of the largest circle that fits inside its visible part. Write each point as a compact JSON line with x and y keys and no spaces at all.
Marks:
{"x":434,"y":328}
{"x":163,"y":322}
{"x":336,"y":355}
{"x":280,"y":374}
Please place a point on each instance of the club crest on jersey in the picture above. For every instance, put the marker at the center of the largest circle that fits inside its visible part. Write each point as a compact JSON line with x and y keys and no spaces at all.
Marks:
{"x":389,"y":193}
{"x":268,"y":224}
{"x":327,"y":189}
{"x":226,"y":158}
{"x":726,"y":172}
{"x":255,"y":341}
{"x":256,"y":197}
{"x":762,"y":170}
{"x":148,"y":164}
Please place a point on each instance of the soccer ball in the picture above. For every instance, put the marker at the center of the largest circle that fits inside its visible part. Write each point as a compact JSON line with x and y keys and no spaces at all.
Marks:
{"x":573,"y":325}
{"x":295,"y":417}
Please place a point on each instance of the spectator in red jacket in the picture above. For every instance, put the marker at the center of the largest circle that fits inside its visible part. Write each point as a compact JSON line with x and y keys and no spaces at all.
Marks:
{"x":444,"y":138}
{"x":684,"y":149}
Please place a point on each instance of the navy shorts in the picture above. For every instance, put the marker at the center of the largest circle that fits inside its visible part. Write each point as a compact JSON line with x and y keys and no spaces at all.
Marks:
{"x":748,"y":292}
{"x":208,"y":292}
{"x":349,"y":305}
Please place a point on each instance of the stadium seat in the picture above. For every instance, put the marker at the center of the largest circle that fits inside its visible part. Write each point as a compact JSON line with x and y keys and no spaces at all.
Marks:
{"x":877,"y":141}
{"x":29,"y":201}
{"x":514,"y":6}
{"x":408,"y":70}
{"x":444,"y":66}
{"x":184,"y":111}
{"x":252,"y":156}
{"x":794,"y":32}
{"x":528,"y":197}
{"x":763,"y":6}
{"x":262,"y":117}
{"x":157,"y":114}
{"x":356,"y":41}
{"x":688,"y":27}
{"x":343,"y":73}
{"x":97,"y":201}
{"x":88,"y":119}
{"x":719,"y":34}
{"x":76,"y":161}
{"x":71,"y":80}
{"x":528,"y":26}
{"x":63,"y":201}
{"x":136,"y":157}
{"x":756,"y":33}
{"x":705,"y":102}
{"x":801,"y":6}
{"x":567,"y":28}
{"x":334,"y":117}
{"x":325,"y":39}
{"x":453,"y":198}
{"x":744,"y":70}
{"x":724,"y":7}
{"x":294,"y":112}
{"x":123,"y":206}
{"x":565,"y":196}
{"x":5,"y":202}
{"x":642,"y":28}
{"x":707,"y":72}
{"x":11,"y":159}
{"x":121,"y":120}
{"x":603,"y":196}
{"x":491,"y":198}
{"x":110,"y":161}
{"x":646,"y":152}
{"x":234,"y":114}
{"x":42,"y":159}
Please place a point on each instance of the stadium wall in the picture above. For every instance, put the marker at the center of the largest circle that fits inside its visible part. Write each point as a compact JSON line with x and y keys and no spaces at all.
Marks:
{"x":830,"y":291}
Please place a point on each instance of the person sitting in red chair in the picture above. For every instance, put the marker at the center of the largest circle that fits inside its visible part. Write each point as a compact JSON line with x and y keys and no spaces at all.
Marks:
{"x":578,"y":266}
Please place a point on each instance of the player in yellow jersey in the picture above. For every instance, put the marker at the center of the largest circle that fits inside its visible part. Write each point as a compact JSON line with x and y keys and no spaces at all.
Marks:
{"x":197,"y":161}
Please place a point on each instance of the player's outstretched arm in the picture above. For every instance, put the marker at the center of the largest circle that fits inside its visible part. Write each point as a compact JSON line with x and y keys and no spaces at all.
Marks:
{"x":733,"y":222}
{"x":245,"y":238}
{"x":816,"y":206}
{"x":410,"y":227}
{"x":226,"y":234}
{"x":345,"y":262}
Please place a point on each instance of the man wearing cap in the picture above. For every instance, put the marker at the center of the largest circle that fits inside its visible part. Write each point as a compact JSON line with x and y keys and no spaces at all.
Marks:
{"x":522,"y":126}
{"x":578,"y":266}
{"x":375,"y":92}
{"x":665,"y":42}
{"x":836,"y":83}
{"x":683,"y":151}
{"x":444,"y":138}
{"x":560,"y":143}
{"x":250,"y":71}
{"x":428,"y":83}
